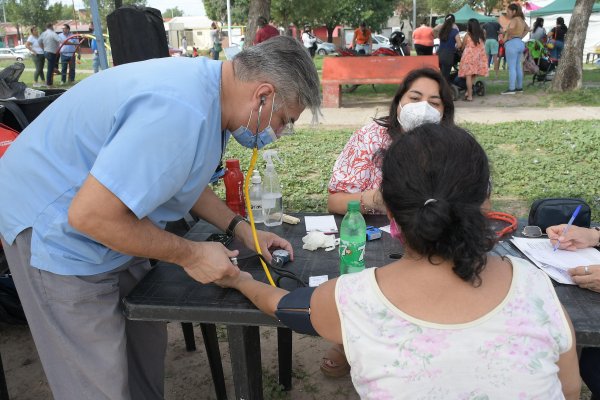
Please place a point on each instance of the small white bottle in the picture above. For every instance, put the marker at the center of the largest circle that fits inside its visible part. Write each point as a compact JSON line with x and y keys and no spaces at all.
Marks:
{"x":256,"y":193}
{"x":272,"y":201}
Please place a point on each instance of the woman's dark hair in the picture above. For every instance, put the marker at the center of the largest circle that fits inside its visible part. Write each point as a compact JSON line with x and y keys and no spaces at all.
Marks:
{"x":446,"y":164}
{"x":517,"y":9}
{"x":539,"y":23}
{"x":447,"y":27}
{"x":391,"y":121}
{"x":475,"y":31}
{"x":560,"y":21}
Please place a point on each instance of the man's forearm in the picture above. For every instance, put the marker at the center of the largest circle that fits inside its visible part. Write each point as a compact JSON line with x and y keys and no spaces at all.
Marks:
{"x":212,"y":209}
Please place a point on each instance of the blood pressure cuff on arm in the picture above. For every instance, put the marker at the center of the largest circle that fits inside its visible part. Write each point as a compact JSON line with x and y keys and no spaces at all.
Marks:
{"x":293,"y":311}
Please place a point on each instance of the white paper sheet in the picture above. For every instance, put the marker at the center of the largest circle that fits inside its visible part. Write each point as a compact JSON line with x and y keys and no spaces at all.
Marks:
{"x":314,"y":281}
{"x":321,"y":223}
{"x":385,"y":228}
{"x":556,"y":263}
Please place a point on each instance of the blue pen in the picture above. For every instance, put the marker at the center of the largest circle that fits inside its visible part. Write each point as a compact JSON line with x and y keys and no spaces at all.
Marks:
{"x":564,"y":232}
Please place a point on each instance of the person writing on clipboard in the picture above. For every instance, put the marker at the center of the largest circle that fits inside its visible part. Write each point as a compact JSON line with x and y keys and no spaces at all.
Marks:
{"x":586,"y":277}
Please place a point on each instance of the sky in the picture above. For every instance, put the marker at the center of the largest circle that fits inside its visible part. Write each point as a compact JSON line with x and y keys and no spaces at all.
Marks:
{"x":189,"y":7}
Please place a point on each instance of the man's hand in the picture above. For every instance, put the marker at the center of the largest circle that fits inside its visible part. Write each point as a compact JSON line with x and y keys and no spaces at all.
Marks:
{"x":587,"y":277}
{"x":209,"y":261}
{"x":266,"y":240}
{"x":575,"y":238}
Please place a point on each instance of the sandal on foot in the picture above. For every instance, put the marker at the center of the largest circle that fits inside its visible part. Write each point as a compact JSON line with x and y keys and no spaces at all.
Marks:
{"x":334,"y":364}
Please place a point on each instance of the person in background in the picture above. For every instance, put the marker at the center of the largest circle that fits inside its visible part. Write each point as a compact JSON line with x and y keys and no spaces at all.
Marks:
{"x":514,"y":47}
{"x":423,"y":96}
{"x":448,"y":320}
{"x":449,"y":42}
{"x":184,"y":47}
{"x":265,"y":31}
{"x":215,"y":37}
{"x":423,"y":39}
{"x":37,"y":54}
{"x":492,"y":30}
{"x":538,"y":32}
{"x":94,"y":47}
{"x":558,"y":38}
{"x":362,"y":41}
{"x":309,"y":40}
{"x":67,"y":54}
{"x":586,"y":277}
{"x":82,"y":239}
{"x":473,"y":62}
{"x":49,"y":42}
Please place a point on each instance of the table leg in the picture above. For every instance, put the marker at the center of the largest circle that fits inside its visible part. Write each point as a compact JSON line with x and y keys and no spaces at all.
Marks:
{"x":211,"y":343}
{"x":244,"y":347}
{"x":3,"y":388}
{"x":188,"y":336}
{"x":284,"y":353}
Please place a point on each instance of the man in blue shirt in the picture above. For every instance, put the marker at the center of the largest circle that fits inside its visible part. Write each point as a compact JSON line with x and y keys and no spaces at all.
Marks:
{"x":67,"y":54}
{"x":89,"y":186}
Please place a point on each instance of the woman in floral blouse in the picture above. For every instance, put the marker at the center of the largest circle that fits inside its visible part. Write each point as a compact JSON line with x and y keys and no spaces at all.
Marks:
{"x":357,"y":173}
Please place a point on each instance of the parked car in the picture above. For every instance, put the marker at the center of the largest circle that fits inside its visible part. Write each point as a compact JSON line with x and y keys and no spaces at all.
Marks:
{"x":9,"y":54}
{"x":380,"y":41}
{"x":174,"y":52}
{"x":21,"y":49}
{"x":325,"y":48}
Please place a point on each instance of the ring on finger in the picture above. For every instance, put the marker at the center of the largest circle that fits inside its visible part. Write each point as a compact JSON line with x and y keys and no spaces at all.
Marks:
{"x":586,"y":269}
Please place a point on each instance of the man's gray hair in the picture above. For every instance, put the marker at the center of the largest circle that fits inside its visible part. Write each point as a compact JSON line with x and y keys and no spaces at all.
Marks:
{"x":283,"y":62}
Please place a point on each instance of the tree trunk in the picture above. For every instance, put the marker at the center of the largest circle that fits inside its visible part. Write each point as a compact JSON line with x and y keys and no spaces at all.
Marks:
{"x":569,"y":75}
{"x":257,"y":8}
{"x":330,"y":30}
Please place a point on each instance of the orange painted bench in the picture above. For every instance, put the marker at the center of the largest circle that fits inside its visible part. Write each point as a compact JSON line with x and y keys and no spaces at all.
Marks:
{"x":367,"y":70}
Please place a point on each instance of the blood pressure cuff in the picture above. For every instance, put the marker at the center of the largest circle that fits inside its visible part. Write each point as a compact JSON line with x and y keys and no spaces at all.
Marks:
{"x":293,"y":311}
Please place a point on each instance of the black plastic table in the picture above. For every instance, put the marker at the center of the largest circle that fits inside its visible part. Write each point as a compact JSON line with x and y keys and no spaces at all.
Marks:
{"x":167,"y":293}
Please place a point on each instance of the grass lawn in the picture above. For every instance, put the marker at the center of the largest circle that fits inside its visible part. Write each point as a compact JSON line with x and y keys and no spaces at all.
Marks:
{"x":529,"y":161}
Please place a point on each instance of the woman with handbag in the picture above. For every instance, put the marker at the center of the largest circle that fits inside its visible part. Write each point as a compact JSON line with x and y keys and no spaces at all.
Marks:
{"x":558,"y":38}
{"x":309,"y":40}
{"x":449,"y":43}
{"x":215,"y":36}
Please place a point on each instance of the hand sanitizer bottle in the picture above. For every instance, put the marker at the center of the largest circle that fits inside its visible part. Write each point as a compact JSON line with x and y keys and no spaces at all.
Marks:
{"x":256,"y":193}
{"x":272,"y":202}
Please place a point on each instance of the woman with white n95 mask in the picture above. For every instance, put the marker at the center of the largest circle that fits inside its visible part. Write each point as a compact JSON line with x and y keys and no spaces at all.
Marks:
{"x":423,"y":97}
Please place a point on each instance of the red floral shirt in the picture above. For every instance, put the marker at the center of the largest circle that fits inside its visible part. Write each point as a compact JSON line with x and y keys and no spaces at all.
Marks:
{"x":355,"y":169}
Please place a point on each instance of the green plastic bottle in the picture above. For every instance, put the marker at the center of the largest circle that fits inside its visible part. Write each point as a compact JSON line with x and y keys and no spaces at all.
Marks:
{"x":353,"y":239}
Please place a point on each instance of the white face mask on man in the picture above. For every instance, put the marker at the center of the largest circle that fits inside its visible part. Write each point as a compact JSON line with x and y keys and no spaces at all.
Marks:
{"x":412,"y":115}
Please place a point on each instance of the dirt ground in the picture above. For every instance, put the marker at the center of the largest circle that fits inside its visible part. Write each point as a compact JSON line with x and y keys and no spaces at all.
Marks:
{"x":187,"y":373}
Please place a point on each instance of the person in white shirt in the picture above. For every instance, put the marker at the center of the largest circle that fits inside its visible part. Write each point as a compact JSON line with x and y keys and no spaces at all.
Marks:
{"x":37,"y":52}
{"x":309,"y":40}
{"x":184,"y":47}
{"x":49,"y":42}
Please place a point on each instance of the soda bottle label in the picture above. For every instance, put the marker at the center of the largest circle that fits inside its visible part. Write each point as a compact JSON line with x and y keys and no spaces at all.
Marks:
{"x":352,"y":255}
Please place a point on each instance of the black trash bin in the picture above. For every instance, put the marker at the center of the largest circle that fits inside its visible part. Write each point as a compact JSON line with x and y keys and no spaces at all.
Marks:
{"x":20,"y":113}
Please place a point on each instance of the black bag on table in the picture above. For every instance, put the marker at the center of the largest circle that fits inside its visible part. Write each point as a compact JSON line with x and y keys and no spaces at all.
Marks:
{"x":136,"y":34}
{"x":555,"y":211}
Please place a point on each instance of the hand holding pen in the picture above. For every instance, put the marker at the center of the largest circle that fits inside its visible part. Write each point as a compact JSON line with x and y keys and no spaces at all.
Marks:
{"x":566,"y":228}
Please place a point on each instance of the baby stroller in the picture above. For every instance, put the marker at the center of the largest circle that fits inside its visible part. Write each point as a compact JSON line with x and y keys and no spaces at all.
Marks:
{"x":459,"y":85}
{"x":546,"y":65}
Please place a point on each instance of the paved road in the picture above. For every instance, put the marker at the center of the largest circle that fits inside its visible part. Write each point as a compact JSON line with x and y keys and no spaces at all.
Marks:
{"x":358,"y":116}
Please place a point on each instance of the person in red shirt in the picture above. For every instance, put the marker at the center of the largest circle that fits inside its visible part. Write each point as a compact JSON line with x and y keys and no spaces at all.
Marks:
{"x":423,"y":40}
{"x":264,"y":31}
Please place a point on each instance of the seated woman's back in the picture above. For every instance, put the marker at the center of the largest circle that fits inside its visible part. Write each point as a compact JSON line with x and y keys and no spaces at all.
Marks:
{"x":502,"y":341}
{"x":447,"y":321}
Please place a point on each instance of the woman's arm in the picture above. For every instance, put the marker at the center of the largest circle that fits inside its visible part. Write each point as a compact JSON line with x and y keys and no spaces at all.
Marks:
{"x":458,"y":41}
{"x":323,"y":310}
{"x":337,"y":203}
{"x":568,"y":368}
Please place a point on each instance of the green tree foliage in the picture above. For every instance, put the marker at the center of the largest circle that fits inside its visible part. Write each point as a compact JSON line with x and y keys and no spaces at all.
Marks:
{"x":25,"y":13}
{"x":172,"y":12}
{"x":105,"y":7}
{"x":217,"y":11}
{"x":60,"y":11}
